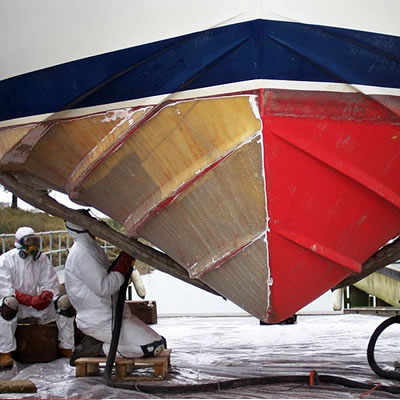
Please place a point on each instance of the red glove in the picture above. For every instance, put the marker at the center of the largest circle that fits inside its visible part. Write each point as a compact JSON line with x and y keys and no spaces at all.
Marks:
{"x":42,"y":301}
{"x":23,"y":298}
{"x":123,"y":263}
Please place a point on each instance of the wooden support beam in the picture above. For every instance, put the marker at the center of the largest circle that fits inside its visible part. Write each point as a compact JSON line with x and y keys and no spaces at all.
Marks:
{"x":384,"y":256}
{"x":156,"y":259}
{"x":18,"y":386}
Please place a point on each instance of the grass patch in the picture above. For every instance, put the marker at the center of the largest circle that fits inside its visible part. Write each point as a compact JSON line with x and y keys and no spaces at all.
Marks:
{"x":11,"y":219}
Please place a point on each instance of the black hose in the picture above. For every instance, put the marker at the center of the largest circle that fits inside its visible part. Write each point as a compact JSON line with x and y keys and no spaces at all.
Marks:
{"x":117,"y":329}
{"x":262,"y":380}
{"x":232,"y":383}
{"x":241,"y":382}
{"x":371,"y":349}
{"x":114,"y":263}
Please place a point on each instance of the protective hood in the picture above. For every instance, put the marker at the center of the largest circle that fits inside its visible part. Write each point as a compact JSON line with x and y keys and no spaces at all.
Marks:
{"x":80,"y":234}
{"x":75,"y":228}
{"x":21,"y":232}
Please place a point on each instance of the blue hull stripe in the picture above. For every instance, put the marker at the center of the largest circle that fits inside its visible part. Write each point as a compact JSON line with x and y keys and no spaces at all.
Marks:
{"x":259,"y":49}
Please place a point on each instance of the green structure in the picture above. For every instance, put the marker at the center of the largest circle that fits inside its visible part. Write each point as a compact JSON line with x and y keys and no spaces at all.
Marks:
{"x":383,"y":284}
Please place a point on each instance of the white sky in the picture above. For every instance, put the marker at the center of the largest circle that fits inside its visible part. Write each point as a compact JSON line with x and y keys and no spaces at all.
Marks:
{"x":29,"y":30}
{"x":176,"y":297}
{"x":5,"y":197}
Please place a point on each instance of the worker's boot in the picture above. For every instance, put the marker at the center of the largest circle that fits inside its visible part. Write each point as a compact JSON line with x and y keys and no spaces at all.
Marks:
{"x":6,"y":360}
{"x":153,"y":349}
{"x":89,"y":347}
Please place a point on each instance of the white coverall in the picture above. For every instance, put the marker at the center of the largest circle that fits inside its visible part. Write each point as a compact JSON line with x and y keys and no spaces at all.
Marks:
{"x":31,"y":277}
{"x":93,"y":293}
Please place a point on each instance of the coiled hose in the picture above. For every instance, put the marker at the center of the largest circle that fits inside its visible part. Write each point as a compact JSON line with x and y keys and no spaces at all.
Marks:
{"x":371,"y":349}
{"x":220,"y":385}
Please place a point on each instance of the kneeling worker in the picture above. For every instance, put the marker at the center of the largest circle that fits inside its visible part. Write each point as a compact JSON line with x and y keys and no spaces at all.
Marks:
{"x":93,"y":292}
{"x":28,"y":287}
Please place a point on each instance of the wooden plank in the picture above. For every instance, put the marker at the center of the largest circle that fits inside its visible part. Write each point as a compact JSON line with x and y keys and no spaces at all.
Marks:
{"x":159,"y":363}
{"x":137,"y":360}
{"x":100,"y":360}
{"x":89,"y":366}
{"x":92,"y":369}
{"x":121,"y":370}
{"x":18,"y":386}
{"x":80,"y":370}
{"x":160,"y":369}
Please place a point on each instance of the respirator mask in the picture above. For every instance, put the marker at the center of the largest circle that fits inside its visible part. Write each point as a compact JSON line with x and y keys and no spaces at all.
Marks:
{"x":29,"y":246}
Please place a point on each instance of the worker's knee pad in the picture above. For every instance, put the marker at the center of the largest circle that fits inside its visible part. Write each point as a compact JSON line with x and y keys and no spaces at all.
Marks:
{"x":64,"y":307}
{"x":9,"y":308}
{"x":153,"y":349}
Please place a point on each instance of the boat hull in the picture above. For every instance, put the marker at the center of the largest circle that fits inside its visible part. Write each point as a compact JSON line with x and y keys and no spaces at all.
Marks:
{"x":261,"y":153}
{"x":270,"y":197}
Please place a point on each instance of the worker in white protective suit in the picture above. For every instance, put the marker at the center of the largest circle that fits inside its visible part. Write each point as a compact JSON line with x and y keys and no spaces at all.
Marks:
{"x":28,"y":288}
{"x":93,"y":291}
